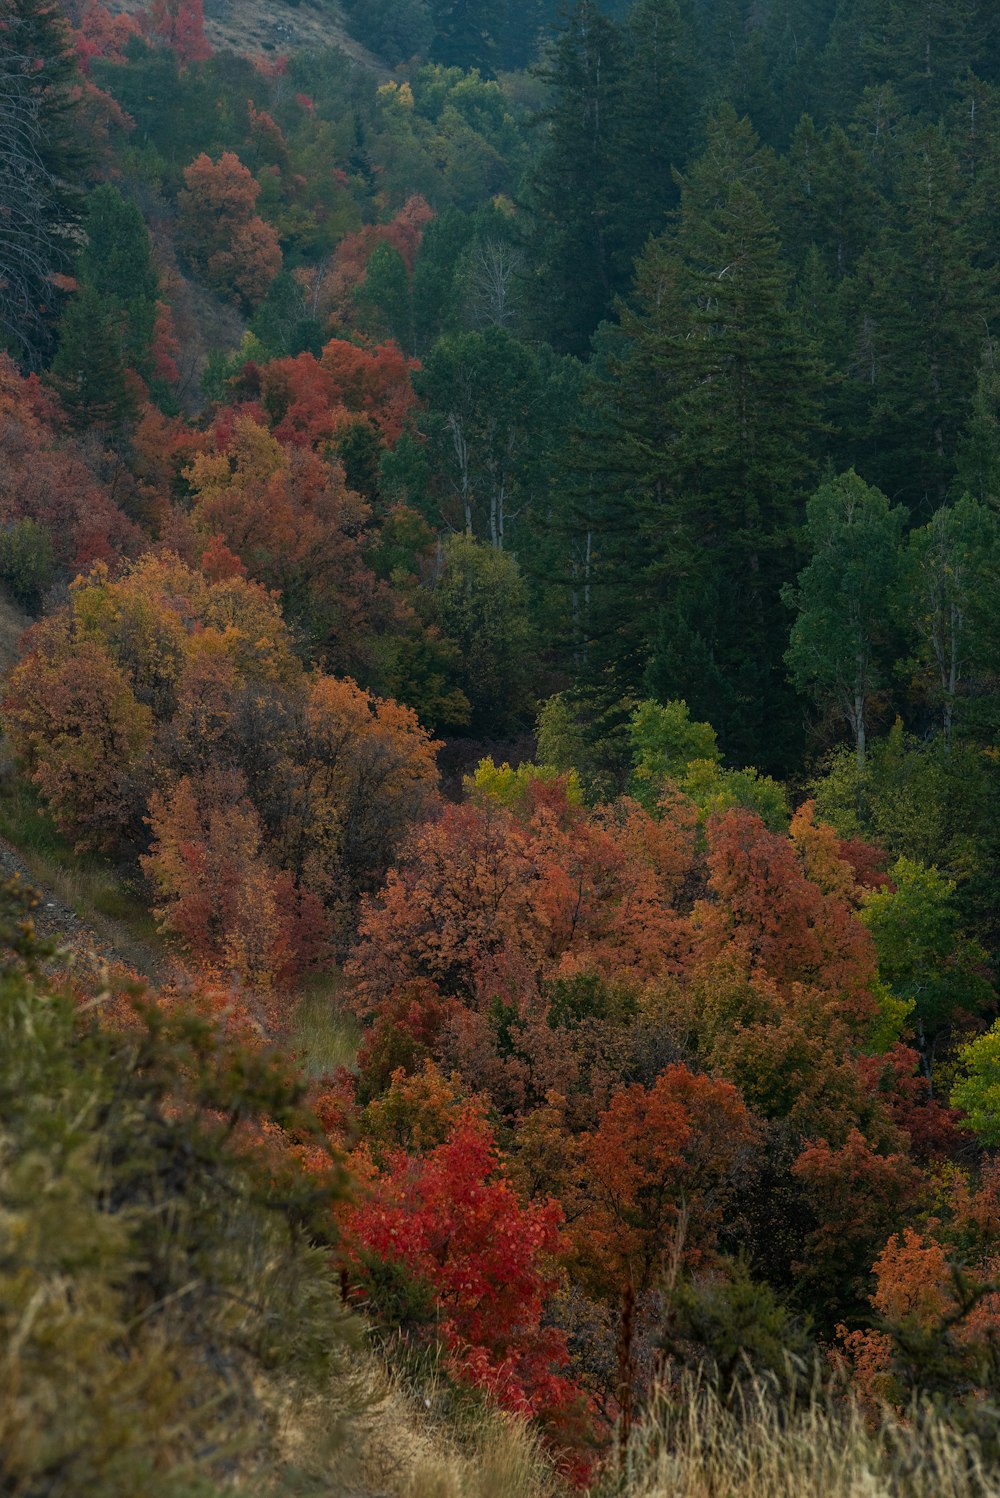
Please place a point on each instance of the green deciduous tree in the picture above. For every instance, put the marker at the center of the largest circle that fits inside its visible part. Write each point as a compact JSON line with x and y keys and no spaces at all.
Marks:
{"x":484,"y":420}
{"x":839,"y":650}
{"x":977,"y":1092}
{"x":949,"y":599}
{"x":481,"y":604}
{"x":923,"y":953}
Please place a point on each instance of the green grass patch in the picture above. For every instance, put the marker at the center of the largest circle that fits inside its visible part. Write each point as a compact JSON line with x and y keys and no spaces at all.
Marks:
{"x":321,"y":1032}
{"x":109,"y":900}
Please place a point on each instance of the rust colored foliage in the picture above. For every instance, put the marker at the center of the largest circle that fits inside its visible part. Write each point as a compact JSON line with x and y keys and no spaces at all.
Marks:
{"x":404,"y":232}
{"x":657,"y":1154}
{"x":858,"y":1196}
{"x":792,"y":929}
{"x":181,"y":25}
{"x":226,"y":240}
{"x":556,"y":892}
{"x":73,"y":716}
{"x":922,"y":1293}
{"x":897,"y":1080}
{"x":194,"y":675}
{"x":101,"y":34}
{"x":48,"y":478}
{"x":217,"y":891}
{"x":312,"y":401}
{"x":290,"y":519}
{"x":166,"y":346}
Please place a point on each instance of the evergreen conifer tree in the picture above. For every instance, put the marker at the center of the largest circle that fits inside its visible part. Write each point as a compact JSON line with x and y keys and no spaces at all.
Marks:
{"x":41,"y":164}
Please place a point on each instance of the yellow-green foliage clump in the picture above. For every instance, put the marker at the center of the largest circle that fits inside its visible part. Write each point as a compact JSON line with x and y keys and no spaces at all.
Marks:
{"x":155,"y":1280}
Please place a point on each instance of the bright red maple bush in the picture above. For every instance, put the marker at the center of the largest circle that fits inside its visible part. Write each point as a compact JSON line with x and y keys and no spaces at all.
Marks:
{"x":453,"y":1222}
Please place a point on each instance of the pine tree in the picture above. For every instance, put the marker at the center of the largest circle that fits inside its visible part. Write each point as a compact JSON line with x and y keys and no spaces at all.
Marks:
{"x":923,"y":297}
{"x":465,"y":34}
{"x":88,"y":372}
{"x":661,"y":94}
{"x":721,"y":527}
{"x":117,"y":264}
{"x":575,"y":240}
{"x":41,"y":164}
{"x":978,"y":467}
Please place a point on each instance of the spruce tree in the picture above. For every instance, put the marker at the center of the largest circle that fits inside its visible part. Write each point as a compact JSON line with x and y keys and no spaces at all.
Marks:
{"x":702,"y":448}
{"x":89,"y":370}
{"x":41,"y":166}
{"x":116,"y":262}
{"x":747,"y":418}
{"x":575,"y":238}
{"x":662,"y":87}
{"x":924,"y":296}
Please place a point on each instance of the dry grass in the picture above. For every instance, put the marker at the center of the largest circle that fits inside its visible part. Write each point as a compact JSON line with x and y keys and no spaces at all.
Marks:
{"x":696,"y":1448}
{"x":413,"y":1451}
{"x":369,"y":1436}
{"x":269,"y":28}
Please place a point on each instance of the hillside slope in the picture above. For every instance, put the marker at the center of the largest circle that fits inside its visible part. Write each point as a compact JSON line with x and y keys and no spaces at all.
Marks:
{"x":270,"y":27}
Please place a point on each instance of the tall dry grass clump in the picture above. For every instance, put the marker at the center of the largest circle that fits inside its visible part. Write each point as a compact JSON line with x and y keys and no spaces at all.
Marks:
{"x":695,"y":1445}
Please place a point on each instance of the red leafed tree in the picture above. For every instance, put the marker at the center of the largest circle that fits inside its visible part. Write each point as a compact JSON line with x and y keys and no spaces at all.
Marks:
{"x":453,"y":1223}
{"x":45,"y":477}
{"x":404,"y":233}
{"x":555,"y":892}
{"x":181,"y":24}
{"x":375,"y":382}
{"x":463,"y":890}
{"x":100,"y":34}
{"x":912,"y":1283}
{"x":289,"y":517}
{"x":224,"y":237}
{"x":302,"y":401}
{"x":166,"y":346}
{"x":897,"y":1080}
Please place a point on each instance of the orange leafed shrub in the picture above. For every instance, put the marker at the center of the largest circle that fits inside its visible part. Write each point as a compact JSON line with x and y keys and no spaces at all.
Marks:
{"x":73,"y":716}
{"x":791,"y":928}
{"x":227,"y":241}
{"x":217,"y":891}
{"x":290,"y":519}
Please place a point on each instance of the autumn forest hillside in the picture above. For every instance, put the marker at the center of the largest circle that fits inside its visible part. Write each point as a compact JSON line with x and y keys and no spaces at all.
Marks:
{"x":504,"y":499}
